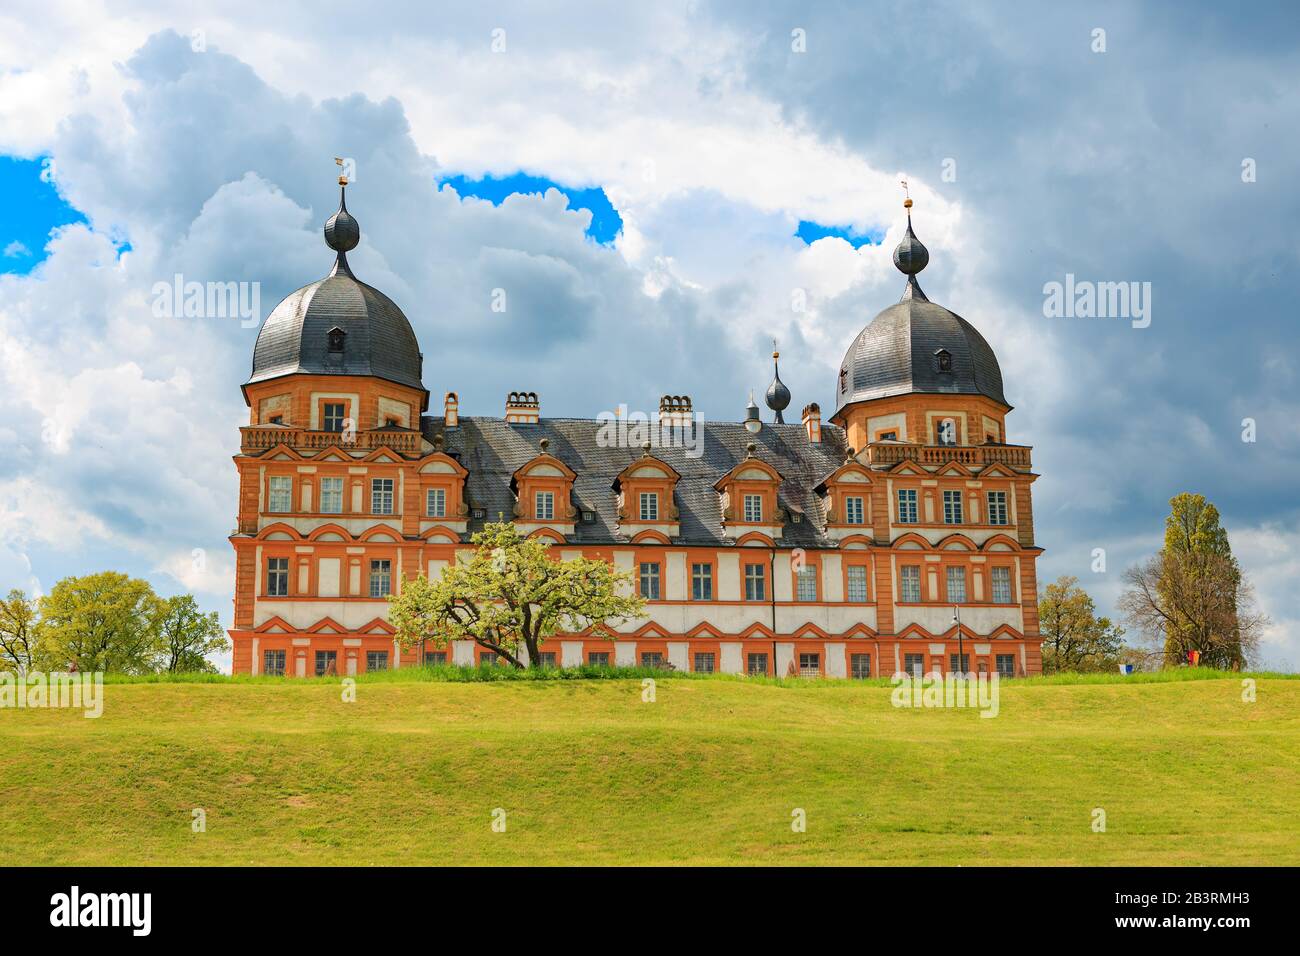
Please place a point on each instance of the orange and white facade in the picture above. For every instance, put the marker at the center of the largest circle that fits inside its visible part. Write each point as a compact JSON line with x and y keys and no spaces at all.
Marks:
{"x":844,"y":548}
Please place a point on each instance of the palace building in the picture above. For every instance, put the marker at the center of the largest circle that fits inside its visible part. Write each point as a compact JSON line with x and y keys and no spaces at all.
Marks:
{"x":880,"y":539}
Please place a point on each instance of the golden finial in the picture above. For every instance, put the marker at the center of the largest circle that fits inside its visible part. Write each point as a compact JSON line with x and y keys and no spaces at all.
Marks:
{"x":775,"y":353}
{"x":338,"y":161}
{"x":907,"y":198}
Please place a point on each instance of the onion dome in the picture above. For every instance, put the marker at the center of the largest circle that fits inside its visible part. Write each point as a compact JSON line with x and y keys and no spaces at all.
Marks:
{"x":917,"y":346}
{"x":778,"y":396}
{"x":338,"y":325}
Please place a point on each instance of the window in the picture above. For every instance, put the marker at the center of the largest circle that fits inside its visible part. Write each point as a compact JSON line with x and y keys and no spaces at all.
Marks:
{"x":273,"y":663}
{"x":326,"y":663}
{"x":589,"y":517}
{"x":281,"y":494}
{"x":701,"y":582}
{"x":334,"y":339}
{"x":914,"y":664}
{"x":952,"y":507}
{"x":953,"y":668}
{"x":650,"y":580}
{"x":704,"y":663}
{"x":649,"y":506}
{"x":276,"y":420}
{"x":943,"y":358}
{"x":544,"y":506}
{"x":755,"y":664}
{"x":755,"y":582}
{"x":598,"y":658}
{"x":435,"y":503}
{"x":860,"y":666}
{"x":806,"y":584}
{"x":911,"y":583}
{"x":956,"y":585}
{"x":888,"y":436}
{"x":947,"y":432}
{"x":381,"y":496}
{"x":997,"y":507}
{"x":1006,"y":665}
{"x":546,"y":658}
{"x":1001,"y":585}
{"x":652,"y":659}
{"x":435,"y":658}
{"x":487,"y":658}
{"x":857,"y":580}
{"x":381,"y":578}
{"x":907,"y":506}
{"x":331,"y":496}
{"x":753,"y":507}
{"x":853,"y":510}
{"x":810,"y":665}
{"x":376,"y":660}
{"x":277,"y":577}
{"x":335,"y":413}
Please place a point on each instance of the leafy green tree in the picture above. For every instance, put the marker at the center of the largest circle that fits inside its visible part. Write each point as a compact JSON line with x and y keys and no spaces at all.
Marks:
{"x":102,"y":622}
{"x":188,"y":635}
{"x":20,"y":632}
{"x":1074,"y":637}
{"x":511,"y":596}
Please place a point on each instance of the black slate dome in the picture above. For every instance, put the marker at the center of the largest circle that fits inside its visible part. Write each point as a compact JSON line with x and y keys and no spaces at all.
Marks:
{"x":338,"y":325}
{"x":917,"y":346}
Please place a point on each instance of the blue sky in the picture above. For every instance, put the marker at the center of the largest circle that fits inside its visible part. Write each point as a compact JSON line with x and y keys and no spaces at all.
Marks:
{"x":715,"y":188}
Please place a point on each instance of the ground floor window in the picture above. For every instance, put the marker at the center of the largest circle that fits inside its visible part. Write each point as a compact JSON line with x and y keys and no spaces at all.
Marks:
{"x":860,"y":666}
{"x":488,"y":657}
{"x":914,"y":664}
{"x":326,"y":663}
{"x":756,"y":663}
{"x":435,"y":658}
{"x":704,"y":663}
{"x":273,"y":663}
{"x":1006,"y":665}
{"x":652,"y":659}
{"x":959,"y":668}
{"x":546,"y":658}
{"x":810,"y":665}
{"x":376,"y":660}
{"x":598,"y":658}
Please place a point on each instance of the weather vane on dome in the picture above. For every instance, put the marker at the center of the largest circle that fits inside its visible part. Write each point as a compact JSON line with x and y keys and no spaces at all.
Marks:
{"x":343,"y":179}
{"x":907,"y":196}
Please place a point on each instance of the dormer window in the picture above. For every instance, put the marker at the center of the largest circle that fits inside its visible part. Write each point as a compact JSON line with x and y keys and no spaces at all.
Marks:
{"x":335,"y":337}
{"x":943,"y":360}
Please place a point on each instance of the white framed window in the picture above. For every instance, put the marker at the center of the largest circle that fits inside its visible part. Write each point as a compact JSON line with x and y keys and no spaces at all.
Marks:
{"x":649,"y":506}
{"x":281,"y":497}
{"x":956,"y":585}
{"x":381,"y":578}
{"x":273,"y":663}
{"x":331,"y":496}
{"x":853,"y":510}
{"x":910,"y":583}
{"x":810,"y":665}
{"x":381,"y":496}
{"x":857,"y":583}
{"x":753,"y":507}
{"x":335,"y":413}
{"x":376,"y":660}
{"x":860,"y":666}
{"x":755,"y":582}
{"x":435,"y":502}
{"x":277,"y":577}
{"x":650,"y":580}
{"x":907,"y":506}
{"x":952,"y":507}
{"x":701,"y":582}
{"x":704,"y":663}
{"x":544,"y":506}
{"x":1001,"y":578}
{"x":997,"y":507}
{"x":806,"y":584}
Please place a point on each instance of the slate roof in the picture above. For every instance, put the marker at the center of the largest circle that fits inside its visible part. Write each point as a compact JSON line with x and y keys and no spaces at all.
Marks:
{"x":493,"y":450}
{"x":895,"y":355}
{"x":379,"y":339}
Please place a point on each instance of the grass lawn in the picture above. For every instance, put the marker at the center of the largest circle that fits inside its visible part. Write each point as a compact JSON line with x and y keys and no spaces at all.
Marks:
{"x":709,"y":773}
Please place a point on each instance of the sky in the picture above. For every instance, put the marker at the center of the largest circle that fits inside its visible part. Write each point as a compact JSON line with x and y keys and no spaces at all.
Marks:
{"x":661,"y":190}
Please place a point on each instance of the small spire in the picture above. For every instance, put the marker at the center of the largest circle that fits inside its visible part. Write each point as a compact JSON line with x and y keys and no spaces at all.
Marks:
{"x":911,"y":256}
{"x":778,"y":396}
{"x":342,"y":231}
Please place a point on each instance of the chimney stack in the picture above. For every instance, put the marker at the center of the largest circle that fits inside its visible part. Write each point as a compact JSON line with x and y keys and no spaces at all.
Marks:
{"x":451,"y":410}
{"x":812,"y":421}
{"x":675,"y":411}
{"x":522,"y":408}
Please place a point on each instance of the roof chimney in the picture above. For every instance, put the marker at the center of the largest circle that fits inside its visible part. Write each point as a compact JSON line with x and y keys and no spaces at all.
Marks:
{"x":675,"y":411}
{"x":522,"y":408}
{"x":451,"y":410}
{"x":812,"y":421}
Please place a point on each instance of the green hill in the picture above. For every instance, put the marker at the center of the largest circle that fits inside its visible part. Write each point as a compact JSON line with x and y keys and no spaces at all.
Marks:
{"x":710,"y":773}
